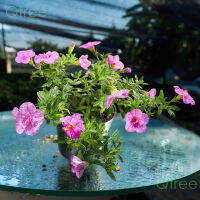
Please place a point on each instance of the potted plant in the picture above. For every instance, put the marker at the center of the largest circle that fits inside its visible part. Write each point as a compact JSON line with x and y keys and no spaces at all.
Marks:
{"x":81,"y":103}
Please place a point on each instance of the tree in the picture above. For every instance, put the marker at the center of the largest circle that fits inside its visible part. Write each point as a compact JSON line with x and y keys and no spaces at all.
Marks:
{"x":176,"y":43}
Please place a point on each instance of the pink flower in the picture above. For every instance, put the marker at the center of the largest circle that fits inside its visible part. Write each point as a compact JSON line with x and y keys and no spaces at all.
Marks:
{"x":28,"y":118}
{"x":151,"y":93}
{"x":136,"y":121}
{"x":38,"y":59}
{"x":48,"y":58}
{"x":116,"y":95}
{"x":115,"y":62}
{"x":73,"y":44}
{"x":84,"y":62}
{"x":24,"y":56}
{"x":51,"y":57}
{"x":128,"y":70}
{"x":78,"y":166}
{"x":183,"y":94}
{"x":90,"y":45}
{"x":73,"y":125}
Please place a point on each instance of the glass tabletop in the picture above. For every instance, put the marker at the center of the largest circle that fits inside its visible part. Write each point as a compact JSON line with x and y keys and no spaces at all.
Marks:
{"x":34,"y":165}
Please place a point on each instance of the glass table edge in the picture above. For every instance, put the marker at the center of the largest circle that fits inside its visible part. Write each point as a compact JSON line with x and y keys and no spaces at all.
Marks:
{"x":97,"y":193}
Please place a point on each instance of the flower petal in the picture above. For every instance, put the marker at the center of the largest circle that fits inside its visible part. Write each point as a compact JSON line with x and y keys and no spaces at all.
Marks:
{"x":15,"y":112}
{"x":27,"y":107}
{"x":136,"y":121}
{"x":109,"y":101}
{"x":19,"y":126}
{"x":79,"y":174}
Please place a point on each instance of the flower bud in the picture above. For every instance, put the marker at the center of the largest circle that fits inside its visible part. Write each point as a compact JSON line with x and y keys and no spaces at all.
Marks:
{"x":71,"y":47}
{"x":73,"y":44}
{"x":117,"y":168}
{"x":128,"y":70}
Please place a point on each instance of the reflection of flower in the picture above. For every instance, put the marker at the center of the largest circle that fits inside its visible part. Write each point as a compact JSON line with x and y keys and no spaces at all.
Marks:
{"x":187,"y":99}
{"x":73,"y":125}
{"x":151,"y":93}
{"x":24,"y":56}
{"x":115,"y":62}
{"x":90,"y":45}
{"x":78,"y":166}
{"x":136,"y":121}
{"x":116,"y":95}
{"x":84,"y":62}
{"x":27,"y":118}
{"x":48,"y":58}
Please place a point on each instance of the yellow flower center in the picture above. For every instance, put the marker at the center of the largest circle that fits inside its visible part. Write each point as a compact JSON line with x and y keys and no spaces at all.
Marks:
{"x":27,"y":116}
{"x":92,"y":49}
{"x":70,"y":127}
{"x":179,"y":96}
{"x":113,"y":90}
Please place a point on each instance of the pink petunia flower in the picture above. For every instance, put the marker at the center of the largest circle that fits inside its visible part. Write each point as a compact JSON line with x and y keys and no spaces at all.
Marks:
{"x":128,"y":70}
{"x":51,"y":57}
{"x":24,"y":56}
{"x":28,"y":118}
{"x":73,"y":125}
{"x":77,"y":166}
{"x":117,"y":94}
{"x":90,"y":45}
{"x":48,"y":58}
{"x":115,"y":62}
{"x":136,"y":121}
{"x":84,"y":62}
{"x":183,"y":94}
{"x":151,"y":93}
{"x":38,"y":59}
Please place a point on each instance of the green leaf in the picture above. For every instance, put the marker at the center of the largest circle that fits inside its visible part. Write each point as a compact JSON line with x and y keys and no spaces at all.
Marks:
{"x":171,"y":113}
{"x":112,"y":176}
{"x":41,"y":95}
{"x":159,"y":111}
{"x":161,"y":93}
{"x":96,"y":103}
{"x":56,"y":122}
{"x":47,"y":84}
{"x":59,"y":141}
{"x":120,"y":158}
{"x":102,"y":110}
{"x":176,"y":108}
{"x":80,"y":155}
